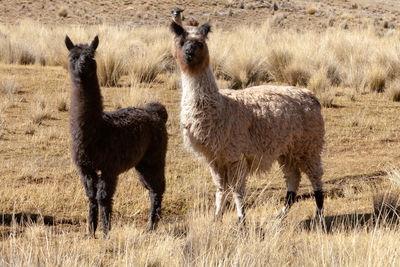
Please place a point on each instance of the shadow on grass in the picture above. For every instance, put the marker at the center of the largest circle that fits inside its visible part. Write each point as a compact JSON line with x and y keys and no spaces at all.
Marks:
{"x":29,"y":218}
{"x":386,"y":213}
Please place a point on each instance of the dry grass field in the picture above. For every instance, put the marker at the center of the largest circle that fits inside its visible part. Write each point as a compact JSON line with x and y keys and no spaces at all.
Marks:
{"x":355,"y":72}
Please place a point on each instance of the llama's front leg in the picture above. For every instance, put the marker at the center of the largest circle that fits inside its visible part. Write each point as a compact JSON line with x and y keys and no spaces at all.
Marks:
{"x":89,"y":180}
{"x":238,"y":174}
{"x":105,"y":191}
{"x":220,"y":200}
{"x":220,"y":180}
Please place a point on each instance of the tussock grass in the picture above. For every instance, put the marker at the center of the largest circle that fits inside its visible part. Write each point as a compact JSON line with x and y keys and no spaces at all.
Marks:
{"x":150,"y":56}
{"x":38,"y":177}
{"x":297,"y":75}
{"x":173,"y":82}
{"x":9,"y":86}
{"x":320,"y":85}
{"x":137,"y":95}
{"x":376,"y":79}
{"x":312,"y":10}
{"x":355,"y":59}
{"x":39,"y":110}
{"x":278,"y":61}
{"x":62,"y":12}
{"x":393,"y":92}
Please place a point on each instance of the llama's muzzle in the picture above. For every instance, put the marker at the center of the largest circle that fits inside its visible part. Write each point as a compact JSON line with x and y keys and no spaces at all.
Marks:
{"x":189,"y":53}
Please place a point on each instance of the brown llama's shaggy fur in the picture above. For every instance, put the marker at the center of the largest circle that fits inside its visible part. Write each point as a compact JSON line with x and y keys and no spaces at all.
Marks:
{"x":112,"y":142}
{"x":240,"y":132}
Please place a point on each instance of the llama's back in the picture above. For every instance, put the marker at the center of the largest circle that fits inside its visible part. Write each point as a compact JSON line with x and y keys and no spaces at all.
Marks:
{"x":269,"y":121}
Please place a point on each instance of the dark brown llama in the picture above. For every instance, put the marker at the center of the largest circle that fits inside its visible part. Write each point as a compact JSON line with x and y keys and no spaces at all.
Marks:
{"x":112,"y":142}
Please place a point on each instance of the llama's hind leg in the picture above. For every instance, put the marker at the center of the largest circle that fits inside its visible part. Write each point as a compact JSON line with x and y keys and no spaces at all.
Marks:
{"x":105,"y":191}
{"x":313,"y":168}
{"x":291,"y":172}
{"x":89,"y":180}
{"x":152,"y":178}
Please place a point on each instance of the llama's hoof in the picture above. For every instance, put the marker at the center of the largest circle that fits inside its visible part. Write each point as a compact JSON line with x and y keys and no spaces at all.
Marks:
{"x":319,"y":213}
{"x":242,"y":220}
{"x":282,"y":215}
{"x":151,"y":226}
{"x":89,"y":236}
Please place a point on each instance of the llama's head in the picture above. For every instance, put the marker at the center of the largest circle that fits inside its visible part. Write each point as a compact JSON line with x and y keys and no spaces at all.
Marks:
{"x":176,"y":13}
{"x":191,"y":51}
{"x":81,"y":57}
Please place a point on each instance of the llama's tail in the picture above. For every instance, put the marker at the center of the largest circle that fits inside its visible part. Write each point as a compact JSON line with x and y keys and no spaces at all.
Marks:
{"x":159,"y":109}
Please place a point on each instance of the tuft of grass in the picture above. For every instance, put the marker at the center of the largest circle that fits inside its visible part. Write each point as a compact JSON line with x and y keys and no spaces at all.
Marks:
{"x":110,"y":66}
{"x":297,"y":75}
{"x":244,"y":72}
{"x":10,"y":87}
{"x":147,"y":62}
{"x":62,"y":105}
{"x":30,"y":129}
{"x":333,"y":75}
{"x":376,"y":79}
{"x":387,"y":207}
{"x":278,"y":61}
{"x":62,"y":12}
{"x":312,"y":10}
{"x":173,"y":81}
{"x":39,"y":111}
{"x":319,"y":84}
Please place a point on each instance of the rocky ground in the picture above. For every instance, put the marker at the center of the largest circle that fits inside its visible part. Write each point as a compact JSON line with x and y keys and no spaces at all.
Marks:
{"x":299,"y":15}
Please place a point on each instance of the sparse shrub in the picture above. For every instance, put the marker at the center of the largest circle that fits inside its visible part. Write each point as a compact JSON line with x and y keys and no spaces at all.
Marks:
{"x":63,"y":12}
{"x":376,"y":79}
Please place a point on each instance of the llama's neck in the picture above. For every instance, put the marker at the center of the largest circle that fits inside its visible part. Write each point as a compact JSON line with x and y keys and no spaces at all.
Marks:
{"x":199,"y":90}
{"x":86,"y":101}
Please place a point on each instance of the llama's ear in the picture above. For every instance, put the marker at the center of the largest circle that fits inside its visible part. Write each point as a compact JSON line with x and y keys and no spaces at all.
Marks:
{"x":68,"y":43}
{"x":95,"y":43}
{"x":177,"y":29}
{"x":205,"y":29}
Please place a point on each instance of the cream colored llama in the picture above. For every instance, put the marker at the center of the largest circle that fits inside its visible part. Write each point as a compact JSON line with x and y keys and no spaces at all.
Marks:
{"x":240,"y":132}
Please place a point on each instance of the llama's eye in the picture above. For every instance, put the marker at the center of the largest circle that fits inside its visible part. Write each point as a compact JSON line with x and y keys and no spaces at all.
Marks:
{"x":181,"y":43}
{"x":201,"y":45}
